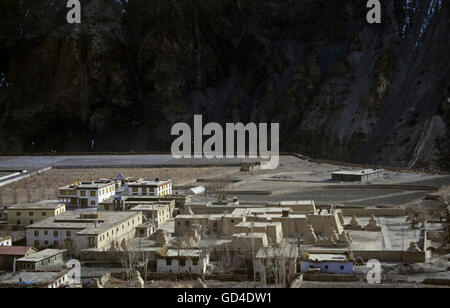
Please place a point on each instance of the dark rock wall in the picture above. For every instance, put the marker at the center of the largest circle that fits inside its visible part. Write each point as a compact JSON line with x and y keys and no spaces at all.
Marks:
{"x":341,"y":88}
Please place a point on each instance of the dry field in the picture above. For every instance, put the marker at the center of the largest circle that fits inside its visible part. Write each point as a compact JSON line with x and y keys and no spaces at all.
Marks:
{"x":44,"y":186}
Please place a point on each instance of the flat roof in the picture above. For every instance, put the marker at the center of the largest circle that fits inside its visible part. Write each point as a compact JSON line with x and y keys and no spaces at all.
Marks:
{"x":328,"y":257}
{"x":15,"y":250}
{"x":298,"y":202}
{"x":37,"y":206}
{"x":182,"y":253}
{"x":277,"y":252}
{"x":150,"y":183}
{"x":263,"y":210}
{"x":31,"y":278}
{"x":149,"y":207}
{"x":89,"y":185}
{"x":42,"y":255}
{"x":74,"y":220}
{"x":257,"y":224}
{"x":358,"y":172}
{"x":206,"y":216}
{"x":250,"y":235}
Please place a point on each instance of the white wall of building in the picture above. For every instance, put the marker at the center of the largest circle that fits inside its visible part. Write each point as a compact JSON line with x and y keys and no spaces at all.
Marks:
{"x":174,"y":266}
{"x":6,"y":242}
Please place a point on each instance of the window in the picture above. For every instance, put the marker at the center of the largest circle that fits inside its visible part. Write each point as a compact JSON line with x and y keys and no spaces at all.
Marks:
{"x":46,"y":232}
{"x":18,"y":214}
{"x":46,"y":243}
{"x":91,"y":242}
{"x":92,"y":202}
{"x":31,"y":222}
{"x":326,"y":267}
{"x":83,"y":193}
{"x":36,"y":233}
{"x":18,"y":222}
{"x":187,"y":223}
{"x":135,"y":190}
{"x":55,"y":233}
{"x":36,"y":243}
{"x":92,"y":193}
{"x":106,"y":207}
{"x":68,"y":233}
{"x":31,"y":214}
{"x":55,"y":244}
{"x":44,"y":213}
{"x":342,"y":267}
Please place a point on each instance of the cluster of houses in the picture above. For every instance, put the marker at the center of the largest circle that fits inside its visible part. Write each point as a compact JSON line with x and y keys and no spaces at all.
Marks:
{"x":180,"y":237}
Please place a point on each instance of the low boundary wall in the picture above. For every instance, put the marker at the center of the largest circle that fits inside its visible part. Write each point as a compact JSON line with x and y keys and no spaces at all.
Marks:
{"x":381,"y":255}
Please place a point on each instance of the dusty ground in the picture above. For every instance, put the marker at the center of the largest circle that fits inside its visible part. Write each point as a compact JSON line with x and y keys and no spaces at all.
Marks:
{"x":297,"y":179}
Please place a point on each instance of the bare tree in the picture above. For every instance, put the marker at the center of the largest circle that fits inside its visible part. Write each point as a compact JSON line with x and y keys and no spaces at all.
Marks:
{"x":131,"y":257}
{"x":278,"y":264}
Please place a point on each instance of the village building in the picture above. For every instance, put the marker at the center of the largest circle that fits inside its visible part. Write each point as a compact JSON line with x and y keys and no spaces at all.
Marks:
{"x":41,"y":260}
{"x":29,"y":213}
{"x":158,"y":213}
{"x":276,"y":223}
{"x":76,"y":231}
{"x":209,"y":224}
{"x":327,"y":264}
{"x":38,"y":279}
{"x":86,"y":194}
{"x":5,"y":240}
{"x":211,"y":208}
{"x":249,"y":242}
{"x":145,"y":230}
{"x":10,"y":254}
{"x":182,"y":261}
{"x":273,"y":230}
{"x":356,"y":175}
{"x":160,"y":188}
{"x":126,"y":203}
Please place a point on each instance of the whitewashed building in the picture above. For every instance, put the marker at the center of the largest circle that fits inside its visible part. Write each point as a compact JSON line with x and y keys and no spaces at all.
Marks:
{"x":182,"y":261}
{"x":5,"y":241}
{"x":87,"y":194}
{"x":76,"y":231}
{"x":160,"y":188}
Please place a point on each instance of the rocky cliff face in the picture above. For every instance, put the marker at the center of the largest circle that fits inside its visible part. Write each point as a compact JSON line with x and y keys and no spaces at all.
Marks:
{"x":341,"y":88}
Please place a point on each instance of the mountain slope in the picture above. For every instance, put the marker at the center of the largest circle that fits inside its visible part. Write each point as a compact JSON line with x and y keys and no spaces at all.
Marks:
{"x":341,"y":88}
